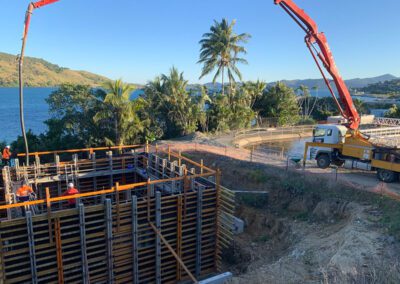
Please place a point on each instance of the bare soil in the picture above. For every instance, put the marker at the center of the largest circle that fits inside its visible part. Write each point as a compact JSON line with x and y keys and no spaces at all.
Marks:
{"x":306,"y":230}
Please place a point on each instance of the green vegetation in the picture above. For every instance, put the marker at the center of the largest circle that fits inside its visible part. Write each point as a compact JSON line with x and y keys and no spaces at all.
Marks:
{"x":259,"y":201}
{"x":279,"y":101}
{"x":393,"y":112}
{"x":326,"y":107}
{"x":170,"y":108}
{"x":390,"y":88}
{"x":40,"y":73}
{"x":120,"y":113}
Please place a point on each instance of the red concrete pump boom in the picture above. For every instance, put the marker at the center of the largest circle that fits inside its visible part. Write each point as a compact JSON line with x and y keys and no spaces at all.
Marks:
{"x":324,"y":54}
{"x":32,"y":6}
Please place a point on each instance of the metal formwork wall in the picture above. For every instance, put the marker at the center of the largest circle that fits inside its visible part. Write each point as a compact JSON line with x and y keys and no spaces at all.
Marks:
{"x":113,"y":242}
{"x":168,"y":228}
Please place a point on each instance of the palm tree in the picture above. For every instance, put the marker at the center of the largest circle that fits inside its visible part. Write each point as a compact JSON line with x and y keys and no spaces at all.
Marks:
{"x":181,"y":107}
{"x":170,"y":106}
{"x":253,"y":91}
{"x":220,"y":49}
{"x":120,"y":111}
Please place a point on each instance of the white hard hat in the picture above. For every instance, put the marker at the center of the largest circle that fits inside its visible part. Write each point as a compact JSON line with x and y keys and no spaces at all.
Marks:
{"x":70,"y":185}
{"x":8,"y":146}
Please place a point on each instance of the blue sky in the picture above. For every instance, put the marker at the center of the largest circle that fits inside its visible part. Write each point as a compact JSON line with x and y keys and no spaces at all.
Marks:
{"x":138,"y":40}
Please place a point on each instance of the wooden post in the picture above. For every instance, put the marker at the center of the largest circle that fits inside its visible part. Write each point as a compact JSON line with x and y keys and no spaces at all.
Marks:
{"x":59,"y":187}
{"x":60,"y":268}
{"x":31,"y":243}
{"x":76,"y":171}
{"x":148,"y":198}
{"x":179,"y":159}
{"x":109,"y":238}
{"x":199,"y":227}
{"x":117,"y":205}
{"x":217,"y":218}
{"x":186,"y":186}
{"x":169,"y":153}
{"x":2,"y":265}
{"x":48,"y":205}
{"x":94,"y":166}
{"x":158,"y":239}
{"x":110,"y":168}
{"x":82,"y":231}
{"x":201,"y":166}
{"x":179,"y":238}
{"x":123,"y":168}
{"x":37,"y":162}
{"x":135,"y":265}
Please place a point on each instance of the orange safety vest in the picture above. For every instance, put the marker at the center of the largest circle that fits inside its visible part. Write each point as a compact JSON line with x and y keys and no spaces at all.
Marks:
{"x":6,"y":154}
{"x":24,"y":190}
{"x":71,"y":191}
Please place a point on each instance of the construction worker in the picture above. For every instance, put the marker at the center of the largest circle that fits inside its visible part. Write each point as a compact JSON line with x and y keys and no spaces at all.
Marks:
{"x":23,"y":195}
{"x":71,"y":190}
{"x":6,"y":155}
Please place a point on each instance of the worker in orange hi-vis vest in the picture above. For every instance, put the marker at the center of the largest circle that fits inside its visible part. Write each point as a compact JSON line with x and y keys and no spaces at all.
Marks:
{"x":71,"y":190}
{"x":23,"y":194}
{"x":6,"y":155}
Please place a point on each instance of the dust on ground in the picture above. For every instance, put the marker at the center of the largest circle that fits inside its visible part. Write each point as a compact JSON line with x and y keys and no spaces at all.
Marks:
{"x":221,"y":143}
{"x":298,"y":235}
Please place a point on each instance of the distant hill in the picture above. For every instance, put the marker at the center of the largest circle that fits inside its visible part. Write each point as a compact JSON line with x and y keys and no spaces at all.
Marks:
{"x":320,"y":83}
{"x":352,"y":83}
{"x":40,"y":73}
{"x":391,"y":87}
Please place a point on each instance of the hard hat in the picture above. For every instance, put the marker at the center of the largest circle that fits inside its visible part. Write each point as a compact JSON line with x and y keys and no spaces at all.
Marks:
{"x":70,"y":185}
{"x":8,"y":146}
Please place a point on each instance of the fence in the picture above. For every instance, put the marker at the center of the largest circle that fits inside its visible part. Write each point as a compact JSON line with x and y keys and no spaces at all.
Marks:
{"x":258,"y":135}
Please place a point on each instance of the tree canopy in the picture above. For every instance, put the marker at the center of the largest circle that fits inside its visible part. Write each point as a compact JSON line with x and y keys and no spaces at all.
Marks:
{"x":279,"y":101}
{"x":220,"y":50}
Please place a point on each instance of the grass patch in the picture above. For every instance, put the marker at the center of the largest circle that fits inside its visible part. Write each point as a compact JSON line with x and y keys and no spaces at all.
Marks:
{"x":262,"y":239}
{"x":258,"y":201}
{"x":299,"y":184}
{"x":258,"y":176}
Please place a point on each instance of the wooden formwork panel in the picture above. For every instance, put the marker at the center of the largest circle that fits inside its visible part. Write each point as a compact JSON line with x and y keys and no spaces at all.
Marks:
{"x":58,"y":252}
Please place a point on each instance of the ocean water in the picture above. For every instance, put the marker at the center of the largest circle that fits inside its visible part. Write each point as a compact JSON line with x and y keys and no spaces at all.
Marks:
{"x":36,"y":111}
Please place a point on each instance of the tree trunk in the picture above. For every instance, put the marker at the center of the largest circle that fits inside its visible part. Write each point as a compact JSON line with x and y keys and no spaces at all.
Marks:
{"x":230,"y":91}
{"x":223,"y":91}
{"x":117,"y":138}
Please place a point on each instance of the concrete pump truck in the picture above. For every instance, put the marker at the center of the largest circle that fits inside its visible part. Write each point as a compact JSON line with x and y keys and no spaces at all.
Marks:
{"x":341,"y":145}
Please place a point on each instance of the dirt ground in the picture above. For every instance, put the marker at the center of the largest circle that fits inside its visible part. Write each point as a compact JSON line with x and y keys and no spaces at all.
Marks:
{"x":296,"y":234}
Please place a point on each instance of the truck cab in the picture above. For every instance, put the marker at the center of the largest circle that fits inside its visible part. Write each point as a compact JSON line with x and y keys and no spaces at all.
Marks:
{"x":328,"y":134}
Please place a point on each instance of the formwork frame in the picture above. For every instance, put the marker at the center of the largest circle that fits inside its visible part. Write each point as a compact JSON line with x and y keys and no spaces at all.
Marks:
{"x":145,"y":238}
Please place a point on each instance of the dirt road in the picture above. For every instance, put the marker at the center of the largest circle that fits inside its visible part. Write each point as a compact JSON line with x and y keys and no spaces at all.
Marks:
{"x":358,"y":179}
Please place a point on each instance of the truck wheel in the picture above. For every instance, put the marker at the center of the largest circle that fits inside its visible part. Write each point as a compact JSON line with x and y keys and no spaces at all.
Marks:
{"x":387,"y":176}
{"x":323,"y":161}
